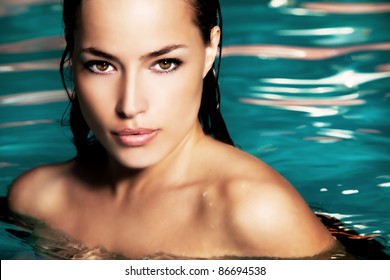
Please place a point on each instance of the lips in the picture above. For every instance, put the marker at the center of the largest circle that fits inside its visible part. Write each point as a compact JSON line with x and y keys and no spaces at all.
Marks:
{"x":135,"y":137}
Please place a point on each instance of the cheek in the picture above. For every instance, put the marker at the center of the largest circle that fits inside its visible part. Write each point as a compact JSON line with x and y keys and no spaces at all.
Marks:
{"x":178,"y":97}
{"x":93,"y":98}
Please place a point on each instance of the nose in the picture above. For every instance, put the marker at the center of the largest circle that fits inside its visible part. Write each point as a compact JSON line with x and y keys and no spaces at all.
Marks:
{"x":131,"y":101}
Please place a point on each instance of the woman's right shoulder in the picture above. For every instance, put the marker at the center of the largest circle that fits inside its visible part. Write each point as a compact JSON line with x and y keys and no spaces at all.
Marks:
{"x":39,"y":191}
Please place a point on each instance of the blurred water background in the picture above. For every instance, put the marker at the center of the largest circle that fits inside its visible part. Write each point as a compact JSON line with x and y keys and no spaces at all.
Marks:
{"x":305,"y":87}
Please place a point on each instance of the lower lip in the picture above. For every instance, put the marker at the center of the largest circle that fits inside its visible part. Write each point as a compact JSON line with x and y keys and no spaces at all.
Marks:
{"x":137,"y":140}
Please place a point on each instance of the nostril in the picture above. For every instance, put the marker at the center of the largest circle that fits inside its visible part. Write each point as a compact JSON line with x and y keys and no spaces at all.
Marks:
{"x":122,"y":114}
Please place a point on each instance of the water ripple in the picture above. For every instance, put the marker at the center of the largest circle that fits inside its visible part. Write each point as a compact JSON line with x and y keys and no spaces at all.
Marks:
{"x":297,"y":52}
{"x":348,"y":8}
{"x":23,"y":123}
{"x":49,"y":64}
{"x":33,"y":98}
{"x":349,"y":78}
{"x":33,"y":45}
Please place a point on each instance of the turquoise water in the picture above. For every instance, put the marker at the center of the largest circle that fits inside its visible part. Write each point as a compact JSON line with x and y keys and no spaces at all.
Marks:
{"x":305,"y":85}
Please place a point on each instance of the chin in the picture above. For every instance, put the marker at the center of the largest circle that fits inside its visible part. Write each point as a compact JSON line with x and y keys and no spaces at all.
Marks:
{"x":136,"y":160}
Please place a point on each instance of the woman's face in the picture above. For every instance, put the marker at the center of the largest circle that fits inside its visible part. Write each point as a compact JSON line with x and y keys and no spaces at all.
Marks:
{"x":138,"y":69}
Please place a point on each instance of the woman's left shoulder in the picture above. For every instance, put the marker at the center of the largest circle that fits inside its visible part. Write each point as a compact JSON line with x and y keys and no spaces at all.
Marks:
{"x":266,"y":215}
{"x":271,"y":219}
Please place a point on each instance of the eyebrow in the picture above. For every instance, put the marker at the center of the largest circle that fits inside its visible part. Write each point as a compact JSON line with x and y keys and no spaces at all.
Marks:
{"x":154,"y":54}
{"x":162,"y":51}
{"x":99,"y":53}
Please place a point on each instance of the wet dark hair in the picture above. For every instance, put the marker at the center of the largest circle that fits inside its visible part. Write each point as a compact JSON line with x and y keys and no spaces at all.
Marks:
{"x":207,"y":14}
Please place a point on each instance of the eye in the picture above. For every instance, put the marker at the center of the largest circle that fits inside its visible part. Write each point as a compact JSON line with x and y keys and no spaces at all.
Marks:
{"x":166,"y":65}
{"x":100,"y":67}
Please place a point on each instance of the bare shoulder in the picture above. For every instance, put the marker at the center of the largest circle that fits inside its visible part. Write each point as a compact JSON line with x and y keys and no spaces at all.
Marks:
{"x":38,"y":191}
{"x":271,"y":219}
{"x":265,"y":215}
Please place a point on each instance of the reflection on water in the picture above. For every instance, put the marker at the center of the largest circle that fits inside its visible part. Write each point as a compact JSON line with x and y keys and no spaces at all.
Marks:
{"x":33,"y":45}
{"x":32,"y":98}
{"x":346,"y":8}
{"x":295,"y":52}
{"x":51,"y":244}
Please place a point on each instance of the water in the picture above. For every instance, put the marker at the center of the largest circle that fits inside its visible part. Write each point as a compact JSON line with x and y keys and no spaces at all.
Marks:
{"x":306,"y":87}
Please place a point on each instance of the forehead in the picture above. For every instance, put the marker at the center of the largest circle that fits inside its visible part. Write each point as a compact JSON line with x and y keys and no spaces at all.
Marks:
{"x":138,"y":22}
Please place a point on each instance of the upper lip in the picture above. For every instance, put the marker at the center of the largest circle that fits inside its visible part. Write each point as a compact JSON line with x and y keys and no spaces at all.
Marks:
{"x":131,"y":131}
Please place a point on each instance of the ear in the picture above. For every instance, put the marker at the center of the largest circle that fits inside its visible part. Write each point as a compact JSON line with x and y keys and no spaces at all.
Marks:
{"x":212,"y":49}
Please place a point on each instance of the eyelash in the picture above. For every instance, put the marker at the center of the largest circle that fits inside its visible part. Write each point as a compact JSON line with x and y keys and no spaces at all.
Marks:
{"x":175,"y":62}
{"x":92,"y":66}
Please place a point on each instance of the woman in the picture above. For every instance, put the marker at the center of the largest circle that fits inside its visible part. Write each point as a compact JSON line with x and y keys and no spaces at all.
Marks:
{"x":151,"y":179}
